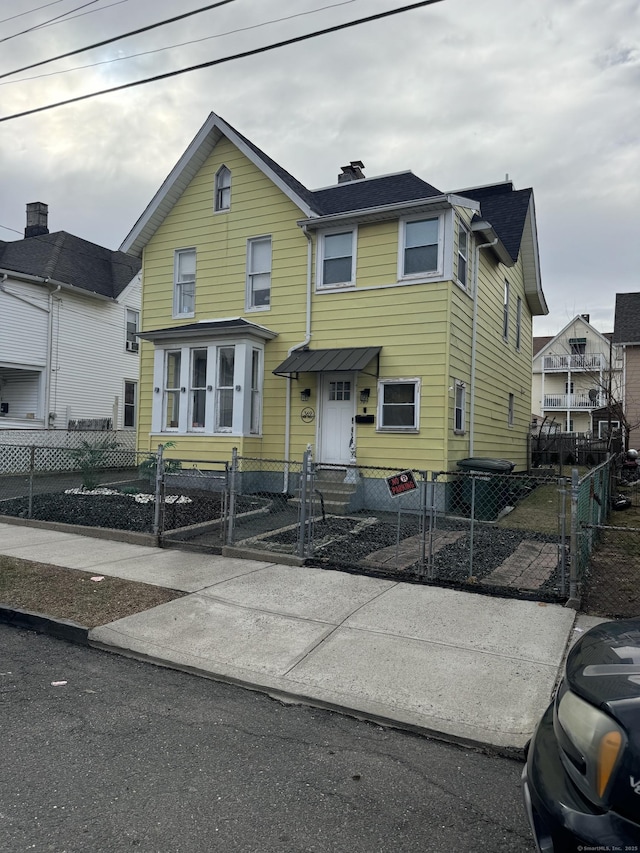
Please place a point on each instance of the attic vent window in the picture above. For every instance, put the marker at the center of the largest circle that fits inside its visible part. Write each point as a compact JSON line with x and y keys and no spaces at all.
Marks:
{"x":222,"y":200}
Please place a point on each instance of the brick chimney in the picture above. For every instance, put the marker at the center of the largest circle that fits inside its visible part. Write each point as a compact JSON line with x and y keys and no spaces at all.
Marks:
{"x":37,"y":216}
{"x":352,"y":172}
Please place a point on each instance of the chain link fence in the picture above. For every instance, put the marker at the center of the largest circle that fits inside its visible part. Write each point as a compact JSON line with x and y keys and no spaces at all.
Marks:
{"x":608,"y":508}
{"x":539,"y":536}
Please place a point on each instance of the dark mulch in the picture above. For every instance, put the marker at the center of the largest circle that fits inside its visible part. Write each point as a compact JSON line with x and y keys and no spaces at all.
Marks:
{"x":346,"y":542}
{"x":120,"y":512}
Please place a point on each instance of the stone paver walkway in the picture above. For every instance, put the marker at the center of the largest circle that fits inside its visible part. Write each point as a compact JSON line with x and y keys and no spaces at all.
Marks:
{"x":528,"y":567}
{"x":408,"y":551}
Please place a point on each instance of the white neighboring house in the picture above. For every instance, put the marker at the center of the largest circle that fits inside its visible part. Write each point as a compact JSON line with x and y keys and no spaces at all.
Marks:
{"x":576,"y":375}
{"x":70,"y":311}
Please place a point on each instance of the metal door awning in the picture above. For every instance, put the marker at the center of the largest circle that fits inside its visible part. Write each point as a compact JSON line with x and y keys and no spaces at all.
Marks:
{"x":342,"y":360}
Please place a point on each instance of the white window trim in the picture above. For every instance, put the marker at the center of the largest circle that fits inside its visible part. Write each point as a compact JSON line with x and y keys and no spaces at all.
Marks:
{"x":134,"y":344}
{"x":506,"y":307}
{"x":241,"y":383}
{"x":190,"y":389}
{"x":511,"y":410}
{"x":217,"y":187}
{"x":460,"y":386}
{"x":467,"y":257}
{"x":519,"y":323}
{"x":248,"y":289}
{"x":136,"y":392}
{"x":341,"y":285}
{"x":439,"y":272}
{"x":380,"y":427}
{"x":176,"y":254}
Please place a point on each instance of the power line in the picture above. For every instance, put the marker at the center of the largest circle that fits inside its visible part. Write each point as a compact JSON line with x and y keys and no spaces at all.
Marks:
{"x":117,"y":38}
{"x":180,"y":44}
{"x":51,"y":20}
{"x":243,"y":55}
{"x":82,"y":14}
{"x":29,"y":11}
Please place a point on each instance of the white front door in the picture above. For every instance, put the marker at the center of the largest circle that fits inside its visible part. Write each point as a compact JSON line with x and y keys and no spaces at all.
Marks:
{"x":336,"y":418}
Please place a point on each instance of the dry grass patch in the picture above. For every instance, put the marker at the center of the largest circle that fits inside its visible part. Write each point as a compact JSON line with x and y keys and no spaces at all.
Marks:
{"x":71,"y":594}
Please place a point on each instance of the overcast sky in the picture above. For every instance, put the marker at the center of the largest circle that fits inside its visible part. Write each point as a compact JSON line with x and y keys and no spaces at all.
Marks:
{"x":462,"y":93}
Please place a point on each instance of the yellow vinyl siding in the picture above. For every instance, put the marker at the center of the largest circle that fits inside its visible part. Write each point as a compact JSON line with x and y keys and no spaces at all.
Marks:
{"x":423,"y":328}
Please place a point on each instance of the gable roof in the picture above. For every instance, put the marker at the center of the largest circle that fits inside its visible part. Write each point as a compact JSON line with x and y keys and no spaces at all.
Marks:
{"x":547,"y":342}
{"x":626,"y":325}
{"x":506,"y":217}
{"x":68,"y":260}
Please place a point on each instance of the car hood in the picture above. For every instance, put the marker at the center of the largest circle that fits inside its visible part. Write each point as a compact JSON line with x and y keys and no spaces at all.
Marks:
{"x":604,"y":668}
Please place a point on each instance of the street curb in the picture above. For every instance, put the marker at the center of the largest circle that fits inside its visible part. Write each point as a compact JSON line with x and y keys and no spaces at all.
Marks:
{"x":285,"y":697}
{"x":62,"y":629}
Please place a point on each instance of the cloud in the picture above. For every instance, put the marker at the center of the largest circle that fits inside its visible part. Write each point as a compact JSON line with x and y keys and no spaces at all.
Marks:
{"x":461,"y":93}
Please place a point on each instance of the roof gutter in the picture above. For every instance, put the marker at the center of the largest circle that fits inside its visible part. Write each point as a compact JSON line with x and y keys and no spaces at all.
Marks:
{"x":487,"y":231}
{"x":59,"y":285}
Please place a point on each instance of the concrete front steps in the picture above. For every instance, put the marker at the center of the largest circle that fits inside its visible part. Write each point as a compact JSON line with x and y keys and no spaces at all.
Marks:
{"x":330,"y":485}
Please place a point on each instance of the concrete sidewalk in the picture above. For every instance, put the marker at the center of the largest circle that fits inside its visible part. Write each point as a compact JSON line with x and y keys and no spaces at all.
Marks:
{"x":463,"y":666}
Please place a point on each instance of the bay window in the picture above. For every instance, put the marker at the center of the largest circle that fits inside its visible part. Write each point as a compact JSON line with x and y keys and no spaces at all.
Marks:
{"x":209,"y":387}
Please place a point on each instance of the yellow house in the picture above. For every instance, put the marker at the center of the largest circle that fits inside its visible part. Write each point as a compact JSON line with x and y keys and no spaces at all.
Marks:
{"x":379,"y":320}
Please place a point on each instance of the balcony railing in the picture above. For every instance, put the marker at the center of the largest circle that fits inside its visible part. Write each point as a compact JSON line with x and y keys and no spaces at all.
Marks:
{"x":572,"y":401}
{"x":575,"y":361}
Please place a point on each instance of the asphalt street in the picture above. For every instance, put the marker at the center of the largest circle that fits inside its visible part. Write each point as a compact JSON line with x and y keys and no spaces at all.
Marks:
{"x":123,"y":755}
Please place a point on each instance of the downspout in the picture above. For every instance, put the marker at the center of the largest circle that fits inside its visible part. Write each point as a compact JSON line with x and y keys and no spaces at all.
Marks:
{"x":474,"y":337}
{"x":304,"y":343}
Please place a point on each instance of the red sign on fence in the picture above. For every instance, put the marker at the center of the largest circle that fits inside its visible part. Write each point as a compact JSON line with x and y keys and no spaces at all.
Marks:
{"x":400,"y":483}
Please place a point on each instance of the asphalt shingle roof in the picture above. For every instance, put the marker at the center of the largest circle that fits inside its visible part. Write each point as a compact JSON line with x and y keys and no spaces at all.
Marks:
{"x":373,"y":192}
{"x":72,"y":260}
{"x":626,"y":326}
{"x":506,"y":209}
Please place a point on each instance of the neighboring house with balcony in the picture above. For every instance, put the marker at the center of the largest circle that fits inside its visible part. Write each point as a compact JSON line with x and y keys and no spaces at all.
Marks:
{"x":378,"y":320}
{"x":626,"y":336}
{"x":577,"y":379}
{"x":70,"y":314}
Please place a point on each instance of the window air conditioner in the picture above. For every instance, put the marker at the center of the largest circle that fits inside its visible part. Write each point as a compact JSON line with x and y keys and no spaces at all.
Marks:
{"x":132,"y":346}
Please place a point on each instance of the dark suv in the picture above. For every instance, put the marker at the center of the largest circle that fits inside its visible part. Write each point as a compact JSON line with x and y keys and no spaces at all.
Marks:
{"x":582,"y":777}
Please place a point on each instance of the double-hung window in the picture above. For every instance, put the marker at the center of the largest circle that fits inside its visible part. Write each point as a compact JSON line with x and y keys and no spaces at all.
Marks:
{"x":519,"y":323}
{"x":398,"y":404}
{"x":460,"y":405}
{"x":184,"y":290}
{"x":505,"y":311}
{"x":130,"y":404}
{"x":224,"y":389}
{"x":133,"y":321}
{"x":463,"y":256}
{"x":222,"y":190}
{"x":198,"y":389}
{"x":256,"y":381}
{"x":172,"y":390}
{"x":421,"y":244}
{"x":258,"y":273}
{"x":511,"y":410}
{"x":336,"y":259}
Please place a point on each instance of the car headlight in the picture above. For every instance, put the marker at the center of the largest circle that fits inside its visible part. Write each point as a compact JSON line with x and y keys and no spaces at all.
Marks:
{"x":591,"y":744}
